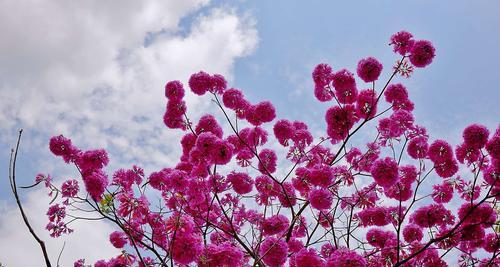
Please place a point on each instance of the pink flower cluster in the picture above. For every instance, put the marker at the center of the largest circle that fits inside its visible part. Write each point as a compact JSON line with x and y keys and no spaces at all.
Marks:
{"x":176,"y":107}
{"x":56,"y":226}
{"x":202,"y":82}
{"x":256,"y":115}
{"x":229,"y":200}
{"x":421,"y":52}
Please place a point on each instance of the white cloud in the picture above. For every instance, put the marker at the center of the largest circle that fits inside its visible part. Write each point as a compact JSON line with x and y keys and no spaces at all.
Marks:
{"x":83,"y":71}
{"x":80,"y":68}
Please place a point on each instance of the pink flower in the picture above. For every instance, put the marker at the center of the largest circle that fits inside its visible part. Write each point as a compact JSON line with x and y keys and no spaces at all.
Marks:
{"x":95,"y":183}
{"x":118,"y":239}
{"x":274,"y":251}
{"x":283,"y":130}
{"x":56,"y":229}
{"x":267,"y":161}
{"x":180,"y":223}
{"x":408,"y":174}
{"x":339,"y":121}
{"x":159,"y":180}
{"x":366,"y":105}
{"x":187,"y":142}
{"x":326,"y":219}
{"x":132,"y":207}
{"x":301,"y":139}
{"x":466,"y":154}
{"x":301,"y":185}
{"x":476,"y":136}
{"x":472,"y":232}
{"x":402,"y":41}
{"x":79,"y":263}
{"x":221,"y":152}
{"x":200,"y":82}
{"x":378,"y":216}
{"x":69,"y":188}
{"x":208,"y":123}
{"x":275,"y":224}
{"x":322,"y":93}
{"x":243,"y":110}
{"x":253,"y":137}
{"x":440,"y":151}
{"x":174,"y":90}
{"x":442,"y":193}
{"x":295,"y":245}
{"x":492,"y":242}
{"x":400,"y":191}
{"x":101,"y":263}
{"x":173,"y":121}
{"x":321,"y":198}
{"x":493,"y":147}
{"x":401,"y":121}
{"x":343,"y":174}
{"x":186,"y":247}
{"x":379,"y":238}
{"x":347,"y":96}
{"x":261,"y":113}
{"x":93,"y":160}
{"x":404,"y":105}
{"x":344,"y":257}
{"x":224,"y":254}
{"x":483,"y":214}
{"x":320,"y":175}
{"x":286,"y":195}
{"x":422,"y":53}
{"x":61,"y":146}
{"x":369,"y":69}
{"x":56,"y":213}
{"x":264,"y":184}
{"x":412,"y":232}
{"x":396,"y":93}
{"x":204,"y":144}
{"x":308,"y":257}
{"x":385,"y":172}
{"x":431,"y":215}
{"x":126,"y":178}
{"x":242,"y":183}
{"x":174,"y":114}
{"x":446,"y":168}
{"x":343,"y":80}
{"x":233,"y":98}
{"x":219,"y":84}
{"x":148,"y":262}
{"x":431,"y":258}
{"x":418,"y":147}
{"x":345,"y":86}
{"x":365,"y":161}
{"x":327,"y":250}
{"x":177,"y":180}
{"x":322,"y":75}
{"x":176,"y":109}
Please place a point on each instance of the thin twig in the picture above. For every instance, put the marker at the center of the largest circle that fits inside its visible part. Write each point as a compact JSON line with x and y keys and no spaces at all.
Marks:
{"x":13,"y":185}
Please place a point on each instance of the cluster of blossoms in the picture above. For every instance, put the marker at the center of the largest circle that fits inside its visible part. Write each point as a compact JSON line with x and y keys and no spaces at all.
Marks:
{"x":228,"y":202}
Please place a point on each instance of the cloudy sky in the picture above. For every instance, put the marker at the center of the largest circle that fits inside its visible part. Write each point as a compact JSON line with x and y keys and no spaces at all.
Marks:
{"x":94,"y":71}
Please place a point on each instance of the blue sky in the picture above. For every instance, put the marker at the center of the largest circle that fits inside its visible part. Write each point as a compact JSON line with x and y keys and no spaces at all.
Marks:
{"x":277,"y":46}
{"x":460,"y":87}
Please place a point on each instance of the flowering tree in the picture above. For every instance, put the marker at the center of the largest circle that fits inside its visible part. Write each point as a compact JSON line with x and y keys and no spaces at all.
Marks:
{"x":398,"y":201}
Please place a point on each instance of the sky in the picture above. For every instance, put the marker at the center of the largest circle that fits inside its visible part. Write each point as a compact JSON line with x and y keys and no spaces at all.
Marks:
{"x":94,"y":71}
